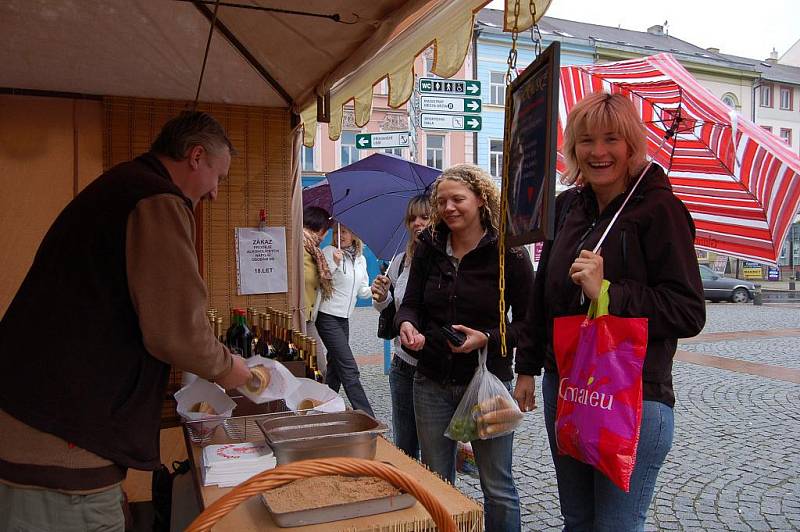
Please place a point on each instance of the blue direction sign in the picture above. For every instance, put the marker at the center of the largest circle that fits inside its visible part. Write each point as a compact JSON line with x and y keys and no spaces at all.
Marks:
{"x":450,"y":104}
{"x":370,"y":141}
{"x":452,"y":87}
{"x":450,"y":122}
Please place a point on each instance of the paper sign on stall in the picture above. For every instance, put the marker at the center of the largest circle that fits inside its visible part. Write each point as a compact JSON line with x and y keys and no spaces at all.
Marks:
{"x":261,"y":260}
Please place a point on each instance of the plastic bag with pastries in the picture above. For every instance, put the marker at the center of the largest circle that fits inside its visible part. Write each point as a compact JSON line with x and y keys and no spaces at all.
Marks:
{"x":486,"y":409}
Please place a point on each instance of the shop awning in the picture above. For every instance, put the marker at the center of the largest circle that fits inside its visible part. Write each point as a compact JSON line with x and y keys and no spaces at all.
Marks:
{"x":155,"y":48}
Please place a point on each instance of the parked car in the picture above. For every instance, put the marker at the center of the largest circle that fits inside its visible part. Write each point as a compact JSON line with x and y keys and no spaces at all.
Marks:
{"x":717,"y":287}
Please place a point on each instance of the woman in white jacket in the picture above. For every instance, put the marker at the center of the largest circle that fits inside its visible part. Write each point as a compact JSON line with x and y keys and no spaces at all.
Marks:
{"x":350,"y":282}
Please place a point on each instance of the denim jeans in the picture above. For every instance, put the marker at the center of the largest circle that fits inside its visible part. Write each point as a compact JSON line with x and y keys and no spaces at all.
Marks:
{"x":435,"y":405}
{"x":342,"y":368}
{"x":589,"y":501}
{"x":404,"y":424}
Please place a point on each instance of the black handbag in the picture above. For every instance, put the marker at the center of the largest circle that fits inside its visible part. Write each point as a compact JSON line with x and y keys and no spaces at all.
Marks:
{"x":386,"y":328}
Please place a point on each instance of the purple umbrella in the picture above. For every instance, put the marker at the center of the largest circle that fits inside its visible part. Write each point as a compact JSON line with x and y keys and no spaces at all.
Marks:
{"x":370,"y":197}
{"x":318,"y":195}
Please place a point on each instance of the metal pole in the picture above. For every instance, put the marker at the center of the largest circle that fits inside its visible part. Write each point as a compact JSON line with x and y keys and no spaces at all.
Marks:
{"x":792,"y":276}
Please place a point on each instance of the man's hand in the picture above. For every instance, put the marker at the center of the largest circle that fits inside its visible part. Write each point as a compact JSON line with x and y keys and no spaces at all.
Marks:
{"x":380,"y":287}
{"x":524,"y":392}
{"x":410,"y":337}
{"x":237,"y":376}
{"x":475,"y":340}
{"x":587,"y":271}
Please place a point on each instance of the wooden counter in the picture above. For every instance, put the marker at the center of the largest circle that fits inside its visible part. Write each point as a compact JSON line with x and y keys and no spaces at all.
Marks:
{"x":252,"y":515}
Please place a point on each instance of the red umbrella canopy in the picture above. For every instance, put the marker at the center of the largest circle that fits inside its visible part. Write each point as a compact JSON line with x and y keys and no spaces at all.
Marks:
{"x":739,"y":182}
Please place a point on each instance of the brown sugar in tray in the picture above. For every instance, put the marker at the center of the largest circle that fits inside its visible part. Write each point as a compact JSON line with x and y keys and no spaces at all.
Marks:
{"x":319,"y":492}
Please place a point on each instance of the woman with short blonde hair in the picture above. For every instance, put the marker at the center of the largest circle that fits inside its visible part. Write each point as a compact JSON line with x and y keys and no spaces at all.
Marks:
{"x":649,"y":260}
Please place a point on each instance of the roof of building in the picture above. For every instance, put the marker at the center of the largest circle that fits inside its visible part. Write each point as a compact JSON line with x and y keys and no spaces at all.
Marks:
{"x":643,"y":42}
{"x":771,"y":71}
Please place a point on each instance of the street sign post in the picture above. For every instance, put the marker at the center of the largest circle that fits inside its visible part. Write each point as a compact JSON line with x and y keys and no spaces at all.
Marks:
{"x":372,"y":141}
{"x":451,"y":122}
{"x":452,"y":87}
{"x":450,"y":104}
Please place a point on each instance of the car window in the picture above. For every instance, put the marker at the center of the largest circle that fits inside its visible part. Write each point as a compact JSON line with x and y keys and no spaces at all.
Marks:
{"x":705,"y":272}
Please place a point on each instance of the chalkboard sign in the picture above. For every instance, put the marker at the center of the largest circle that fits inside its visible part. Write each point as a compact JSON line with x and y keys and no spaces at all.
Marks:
{"x":529,"y":149}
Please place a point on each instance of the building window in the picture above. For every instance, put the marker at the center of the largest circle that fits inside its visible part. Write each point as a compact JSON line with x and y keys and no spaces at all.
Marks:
{"x":497,"y":88}
{"x":767,"y":128}
{"x":730,"y":100}
{"x":383,"y":87}
{"x":434,"y":151}
{"x":347,"y":145}
{"x":429,"y":66}
{"x":308,"y":158}
{"x":496,"y":157}
{"x":786,"y":135}
{"x":766,"y":95}
{"x":394,"y":151}
{"x":786,"y":98}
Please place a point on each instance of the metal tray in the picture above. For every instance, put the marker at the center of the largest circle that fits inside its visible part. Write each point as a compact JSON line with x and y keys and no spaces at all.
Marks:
{"x":352,"y":433}
{"x":338,"y":512}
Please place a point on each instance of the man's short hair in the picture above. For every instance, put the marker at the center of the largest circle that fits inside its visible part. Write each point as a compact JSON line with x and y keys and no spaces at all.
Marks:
{"x":316,"y":219}
{"x":189,"y":129}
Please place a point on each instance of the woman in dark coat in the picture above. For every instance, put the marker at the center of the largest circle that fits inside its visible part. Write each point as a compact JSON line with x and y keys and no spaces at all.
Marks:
{"x":454,"y":281}
{"x":649,"y":259}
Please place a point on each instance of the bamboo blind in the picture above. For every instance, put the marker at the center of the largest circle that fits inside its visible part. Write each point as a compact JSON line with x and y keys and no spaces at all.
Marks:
{"x":259,"y":178}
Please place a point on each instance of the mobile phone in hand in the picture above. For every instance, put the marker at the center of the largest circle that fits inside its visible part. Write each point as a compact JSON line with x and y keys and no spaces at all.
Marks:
{"x":457,"y":338}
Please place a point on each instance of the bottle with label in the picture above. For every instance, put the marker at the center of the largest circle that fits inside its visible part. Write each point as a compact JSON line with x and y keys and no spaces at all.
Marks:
{"x":313,"y":360}
{"x":241,"y":336}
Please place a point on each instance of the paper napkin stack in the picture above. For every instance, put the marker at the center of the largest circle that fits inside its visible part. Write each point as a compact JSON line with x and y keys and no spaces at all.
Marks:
{"x":231,"y":464}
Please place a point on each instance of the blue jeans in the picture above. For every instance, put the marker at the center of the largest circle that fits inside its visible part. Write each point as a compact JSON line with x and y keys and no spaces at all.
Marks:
{"x":435,"y":405}
{"x":404,"y":424}
{"x":342,"y":367}
{"x":589,"y":501}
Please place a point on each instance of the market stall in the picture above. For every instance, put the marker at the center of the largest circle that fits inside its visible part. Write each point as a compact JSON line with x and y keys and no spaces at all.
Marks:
{"x":253,"y":514}
{"x":87,"y":86}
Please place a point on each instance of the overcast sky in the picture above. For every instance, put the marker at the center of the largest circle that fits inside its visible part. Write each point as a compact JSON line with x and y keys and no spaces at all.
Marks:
{"x":738,"y":27}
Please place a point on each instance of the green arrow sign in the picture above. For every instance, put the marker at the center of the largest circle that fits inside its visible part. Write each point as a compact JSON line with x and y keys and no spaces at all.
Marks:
{"x":450,"y":104}
{"x":453,"y":87}
{"x":450,"y":122}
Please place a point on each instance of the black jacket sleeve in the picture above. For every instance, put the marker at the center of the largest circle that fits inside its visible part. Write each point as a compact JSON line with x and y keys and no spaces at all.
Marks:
{"x":410,"y":309}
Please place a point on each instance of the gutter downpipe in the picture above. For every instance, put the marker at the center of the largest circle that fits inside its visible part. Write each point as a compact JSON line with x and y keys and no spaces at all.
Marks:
{"x":476,"y":31}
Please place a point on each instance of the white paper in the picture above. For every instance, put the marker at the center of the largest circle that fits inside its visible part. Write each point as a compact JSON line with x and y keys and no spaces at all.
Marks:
{"x":281,"y":381}
{"x":200,"y":390}
{"x":310,"y":389}
{"x":261,"y":260}
{"x":233,"y":463}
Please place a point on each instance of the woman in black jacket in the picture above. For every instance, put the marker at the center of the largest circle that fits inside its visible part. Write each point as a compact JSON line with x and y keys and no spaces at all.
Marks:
{"x":454,"y":281}
{"x":649,"y":259}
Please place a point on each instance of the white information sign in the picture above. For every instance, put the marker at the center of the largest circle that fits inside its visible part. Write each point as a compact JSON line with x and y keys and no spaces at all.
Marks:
{"x":261,"y":260}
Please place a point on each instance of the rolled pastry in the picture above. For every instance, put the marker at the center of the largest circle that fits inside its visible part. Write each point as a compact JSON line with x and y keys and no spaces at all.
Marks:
{"x":203,"y":408}
{"x":259,"y":380}
{"x":307,"y":404}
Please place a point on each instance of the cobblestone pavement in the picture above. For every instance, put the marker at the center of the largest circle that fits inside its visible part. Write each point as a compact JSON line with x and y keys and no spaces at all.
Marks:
{"x":735,"y":460}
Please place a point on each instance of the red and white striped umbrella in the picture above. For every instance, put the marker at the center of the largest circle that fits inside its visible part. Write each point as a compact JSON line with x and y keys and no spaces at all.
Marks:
{"x":740,"y":182}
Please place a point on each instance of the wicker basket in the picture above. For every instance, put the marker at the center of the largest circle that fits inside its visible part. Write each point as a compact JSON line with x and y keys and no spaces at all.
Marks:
{"x":281,"y":475}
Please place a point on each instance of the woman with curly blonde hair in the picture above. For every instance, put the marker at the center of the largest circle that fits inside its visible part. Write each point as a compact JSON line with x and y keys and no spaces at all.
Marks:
{"x":454,"y":281}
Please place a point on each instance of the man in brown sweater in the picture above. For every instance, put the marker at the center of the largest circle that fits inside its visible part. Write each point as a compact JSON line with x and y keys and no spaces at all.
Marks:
{"x":118,"y":267}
